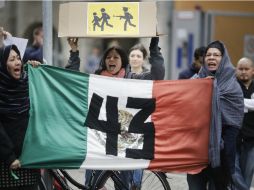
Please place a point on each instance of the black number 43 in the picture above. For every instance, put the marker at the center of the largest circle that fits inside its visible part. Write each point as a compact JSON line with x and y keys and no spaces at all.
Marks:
{"x":112,"y":127}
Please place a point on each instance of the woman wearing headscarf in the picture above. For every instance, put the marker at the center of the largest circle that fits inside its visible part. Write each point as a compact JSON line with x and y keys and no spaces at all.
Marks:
{"x":226,"y":119}
{"x":14,"y":115}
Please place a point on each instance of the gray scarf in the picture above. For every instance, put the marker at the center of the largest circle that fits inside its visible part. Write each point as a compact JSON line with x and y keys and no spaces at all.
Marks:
{"x":227,"y":104}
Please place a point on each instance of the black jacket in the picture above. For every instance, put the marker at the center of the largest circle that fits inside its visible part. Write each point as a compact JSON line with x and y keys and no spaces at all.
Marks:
{"x":188,"y":73}
{"x":74,"y":61}
{"x":247,"y":130}
{"x":157,"y":64}
{"x":12,"y":133}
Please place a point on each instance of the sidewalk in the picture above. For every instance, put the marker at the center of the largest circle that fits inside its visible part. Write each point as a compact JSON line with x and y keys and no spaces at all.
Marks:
{"x":179,"y":182}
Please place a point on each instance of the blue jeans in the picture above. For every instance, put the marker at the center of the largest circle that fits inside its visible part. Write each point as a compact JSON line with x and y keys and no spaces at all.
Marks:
{"x":247,"y":163}
{"x":237,"y":178}
{"x":137,"y":178}
{"x":125,"y":177}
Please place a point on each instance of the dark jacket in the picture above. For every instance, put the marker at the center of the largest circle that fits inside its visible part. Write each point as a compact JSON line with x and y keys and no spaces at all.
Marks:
{"x":12,"y":133}
{"x":33,"y":53}
{"x":14,"y":116}
{"x":14,"y":107}
{"x":247,"y":130}
{"x":157,"y":64}
{"x":74,"y":61}
{"x":188,"y":73}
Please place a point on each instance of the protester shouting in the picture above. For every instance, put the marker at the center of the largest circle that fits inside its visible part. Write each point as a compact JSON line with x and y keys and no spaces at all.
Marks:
{"x":226,"y":119}
{"x":14,"y":115}
{"x":114,"y":63}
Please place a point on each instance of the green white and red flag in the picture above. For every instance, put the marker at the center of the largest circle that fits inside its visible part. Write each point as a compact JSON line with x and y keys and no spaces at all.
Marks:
{"x":95,"y":122}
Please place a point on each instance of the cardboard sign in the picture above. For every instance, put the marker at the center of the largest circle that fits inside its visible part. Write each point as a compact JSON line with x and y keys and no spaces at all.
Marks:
{"x":21,"y":43}
{"x":107,"y":19}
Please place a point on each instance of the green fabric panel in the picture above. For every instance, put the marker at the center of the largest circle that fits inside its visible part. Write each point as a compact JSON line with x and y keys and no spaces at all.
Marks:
{"x":56,"y":136}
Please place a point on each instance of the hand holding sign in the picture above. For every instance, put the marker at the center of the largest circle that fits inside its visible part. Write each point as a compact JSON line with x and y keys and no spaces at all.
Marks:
{"x":3,"y":36}
{"x":73,"y":42}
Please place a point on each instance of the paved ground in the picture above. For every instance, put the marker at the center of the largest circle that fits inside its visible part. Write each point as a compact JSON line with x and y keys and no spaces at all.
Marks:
{"x":176,"y":181}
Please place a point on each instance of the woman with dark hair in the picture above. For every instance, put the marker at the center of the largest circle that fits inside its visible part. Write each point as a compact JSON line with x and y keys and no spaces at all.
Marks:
{"x":112,"y":66}
{"x":113,"y":63}
{"x":14,"y":116}
{"x":226,"y":120}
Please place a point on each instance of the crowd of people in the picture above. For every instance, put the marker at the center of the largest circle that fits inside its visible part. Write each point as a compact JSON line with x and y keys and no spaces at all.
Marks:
{"x":231,"y":137}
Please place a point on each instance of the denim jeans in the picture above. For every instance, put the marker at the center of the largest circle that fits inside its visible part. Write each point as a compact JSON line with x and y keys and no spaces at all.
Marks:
{"x":137,"y":178}
{"x":125,"y":177}
{"x":247,"y":163}
{"x":228,"y":156}
{"x":238,"y":181}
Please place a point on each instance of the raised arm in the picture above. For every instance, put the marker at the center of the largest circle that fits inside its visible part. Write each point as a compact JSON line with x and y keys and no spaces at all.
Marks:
{"x":157,"y":63}
{"x":3,"y":35}
{"x":74,"y":60}
{"x":156,"y":60}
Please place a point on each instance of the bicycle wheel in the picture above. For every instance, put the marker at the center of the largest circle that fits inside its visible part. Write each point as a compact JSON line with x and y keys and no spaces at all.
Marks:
{"x":109,"y":180}
{"x":150,"y":180}
{"x":74,"y":179}
{"x":154,"y":180}
{"x":60,"y":181}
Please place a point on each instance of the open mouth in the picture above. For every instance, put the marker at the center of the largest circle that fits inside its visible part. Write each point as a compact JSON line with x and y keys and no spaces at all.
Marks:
{"x":211,"y":64}
{"x":111,"y":67}
{"x":17,"y":71}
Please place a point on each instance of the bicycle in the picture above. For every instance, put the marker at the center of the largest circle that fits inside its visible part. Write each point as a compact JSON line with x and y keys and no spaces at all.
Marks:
{"x":151,"y":180}
{"x":107,"y":180}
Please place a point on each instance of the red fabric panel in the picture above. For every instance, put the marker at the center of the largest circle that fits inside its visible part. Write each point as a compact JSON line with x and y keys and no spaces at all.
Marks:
{"x":182,"y":121}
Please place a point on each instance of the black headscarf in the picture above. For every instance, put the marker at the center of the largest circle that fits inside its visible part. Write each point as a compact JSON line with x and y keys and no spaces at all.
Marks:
{"x":227,"y":103}
{"x":14,"y":99}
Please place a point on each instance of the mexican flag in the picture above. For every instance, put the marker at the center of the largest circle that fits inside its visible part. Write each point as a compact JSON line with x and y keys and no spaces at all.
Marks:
{"x":95,"y":122}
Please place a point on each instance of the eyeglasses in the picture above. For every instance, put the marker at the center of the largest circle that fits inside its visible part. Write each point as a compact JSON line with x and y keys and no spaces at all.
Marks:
{"x":213,"y":54}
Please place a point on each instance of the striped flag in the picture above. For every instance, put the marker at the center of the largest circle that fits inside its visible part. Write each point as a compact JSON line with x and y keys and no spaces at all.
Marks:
{"x":89,"y":121}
